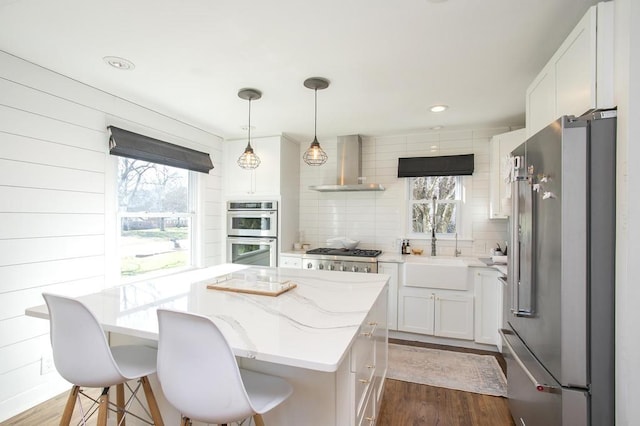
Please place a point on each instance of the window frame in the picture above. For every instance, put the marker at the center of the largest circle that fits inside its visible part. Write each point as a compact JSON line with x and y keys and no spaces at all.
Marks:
{"x":191,"y":214}
{"x":462,"y":215}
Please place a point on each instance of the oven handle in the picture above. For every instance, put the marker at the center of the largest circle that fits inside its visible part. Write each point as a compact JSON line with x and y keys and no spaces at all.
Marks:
{"x":250,"y":240}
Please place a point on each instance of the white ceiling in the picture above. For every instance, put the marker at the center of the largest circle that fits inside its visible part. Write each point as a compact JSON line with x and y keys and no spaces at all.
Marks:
{"x":387,"y":61}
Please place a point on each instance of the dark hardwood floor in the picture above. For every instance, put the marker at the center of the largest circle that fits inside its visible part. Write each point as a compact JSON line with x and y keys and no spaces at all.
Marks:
{"x":403,"y":404}
{"x":411,"y":404}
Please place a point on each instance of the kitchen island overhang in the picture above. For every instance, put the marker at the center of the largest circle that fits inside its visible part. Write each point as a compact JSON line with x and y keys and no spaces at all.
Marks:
{"x":328,"y":336}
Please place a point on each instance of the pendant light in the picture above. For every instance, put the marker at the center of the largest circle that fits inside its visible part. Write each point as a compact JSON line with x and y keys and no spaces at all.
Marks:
{"x":314,"y":155}
{"x":249,"y":160}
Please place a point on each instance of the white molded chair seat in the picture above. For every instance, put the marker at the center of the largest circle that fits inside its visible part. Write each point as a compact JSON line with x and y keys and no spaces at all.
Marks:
{"x":83,"y":357}
{"x":200,"y":377}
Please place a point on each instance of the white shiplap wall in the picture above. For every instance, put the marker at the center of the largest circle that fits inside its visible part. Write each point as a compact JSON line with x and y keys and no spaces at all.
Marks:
{"x":378,"y":219}
{"x":57,"y":208}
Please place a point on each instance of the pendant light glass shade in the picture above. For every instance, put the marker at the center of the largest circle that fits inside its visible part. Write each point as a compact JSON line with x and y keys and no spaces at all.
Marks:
{"x":314,"y":155}
{"x":249,"y":160}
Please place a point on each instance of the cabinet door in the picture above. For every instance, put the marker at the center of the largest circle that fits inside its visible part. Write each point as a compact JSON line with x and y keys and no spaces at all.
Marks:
{"x":415,"y":310}
{"x":453,"y":316}
{"x":391,"y":269}
{"x":488,"y":307}
{"x":267,"y":176}
{"x":575,"y":68}
{"x":541,"y":101}
{"x":500,"y":150}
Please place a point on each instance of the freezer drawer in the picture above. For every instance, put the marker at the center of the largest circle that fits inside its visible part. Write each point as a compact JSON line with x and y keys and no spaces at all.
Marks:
{"x":534,"y":397}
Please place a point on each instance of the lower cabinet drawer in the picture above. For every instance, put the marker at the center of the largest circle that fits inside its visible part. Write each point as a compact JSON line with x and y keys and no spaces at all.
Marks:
{"x":367,"y":417}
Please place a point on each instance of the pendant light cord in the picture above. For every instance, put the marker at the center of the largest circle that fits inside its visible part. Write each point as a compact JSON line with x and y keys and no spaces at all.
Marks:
{"x":249,"y":127}
{"x":315,"y":115}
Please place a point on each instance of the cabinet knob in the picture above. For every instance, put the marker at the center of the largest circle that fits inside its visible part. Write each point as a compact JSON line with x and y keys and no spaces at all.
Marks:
{"x":364,"y":381}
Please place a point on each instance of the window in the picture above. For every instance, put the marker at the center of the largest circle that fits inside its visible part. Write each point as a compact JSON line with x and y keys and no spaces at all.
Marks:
{"x":447,"y":191}
{"x":155,"y":217}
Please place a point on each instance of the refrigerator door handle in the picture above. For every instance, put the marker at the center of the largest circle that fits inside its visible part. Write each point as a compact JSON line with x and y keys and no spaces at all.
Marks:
{"x":514,"y":252}
{"x":539,"y":386}
{"x":515,"y":274}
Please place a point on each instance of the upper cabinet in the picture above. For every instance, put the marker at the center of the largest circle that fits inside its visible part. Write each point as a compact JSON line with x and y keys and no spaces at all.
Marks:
{"x":278,"y":172}
{"x":579,"y":76}
{"x":499,"y":195}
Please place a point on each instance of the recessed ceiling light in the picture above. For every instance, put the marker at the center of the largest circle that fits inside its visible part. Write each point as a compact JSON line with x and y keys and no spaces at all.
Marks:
{"x":438,"y":108}
{"x":119,"y":63}
{"x":435,"y":128}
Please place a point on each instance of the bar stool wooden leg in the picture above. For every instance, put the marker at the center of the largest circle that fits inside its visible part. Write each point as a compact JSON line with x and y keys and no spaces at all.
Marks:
{"x":151,"y":401}
{"x":68,"y":408}
{"x":258,"y":420}
{"x":103,"y":409}
{"x":120,"y":403}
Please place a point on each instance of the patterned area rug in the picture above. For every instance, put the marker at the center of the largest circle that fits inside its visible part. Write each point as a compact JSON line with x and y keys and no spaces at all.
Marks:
{"x":447,"y":369}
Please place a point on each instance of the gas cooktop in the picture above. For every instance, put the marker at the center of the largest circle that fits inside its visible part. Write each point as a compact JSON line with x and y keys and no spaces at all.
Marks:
{"x":329,"y":251}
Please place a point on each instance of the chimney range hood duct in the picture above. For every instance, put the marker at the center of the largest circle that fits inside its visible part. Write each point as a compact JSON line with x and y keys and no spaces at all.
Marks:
{"x":349,"y":168}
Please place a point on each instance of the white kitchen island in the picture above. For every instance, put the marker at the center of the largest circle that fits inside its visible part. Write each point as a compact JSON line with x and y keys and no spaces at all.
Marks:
{"x":327,"y":337}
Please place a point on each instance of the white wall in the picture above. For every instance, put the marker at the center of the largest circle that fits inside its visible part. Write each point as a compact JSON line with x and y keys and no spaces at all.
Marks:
{"x":627,"y":57}
{"x":378,"y":219}
{"x":57,"y":198}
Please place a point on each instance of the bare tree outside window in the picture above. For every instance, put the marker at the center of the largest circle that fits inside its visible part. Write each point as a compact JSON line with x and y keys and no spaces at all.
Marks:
{"x":154,"y":216}
{"x":446,"y":190}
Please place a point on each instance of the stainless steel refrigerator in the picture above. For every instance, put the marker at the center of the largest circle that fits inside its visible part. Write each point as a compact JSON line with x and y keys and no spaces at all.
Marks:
{"x":558,"y":338}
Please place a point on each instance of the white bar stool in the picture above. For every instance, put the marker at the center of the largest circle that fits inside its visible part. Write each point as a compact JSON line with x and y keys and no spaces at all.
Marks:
{"x":200,"y":377}
{"x":83,"y":357}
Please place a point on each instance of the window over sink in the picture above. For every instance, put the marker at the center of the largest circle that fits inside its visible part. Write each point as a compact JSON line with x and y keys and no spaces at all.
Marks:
{"x":449,"y":205}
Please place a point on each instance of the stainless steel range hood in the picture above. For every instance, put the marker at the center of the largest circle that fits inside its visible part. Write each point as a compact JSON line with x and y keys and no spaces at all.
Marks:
{"x":349,"y":168}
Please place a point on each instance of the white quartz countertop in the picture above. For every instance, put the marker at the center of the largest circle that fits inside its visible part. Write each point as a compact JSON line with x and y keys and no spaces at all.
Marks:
{"x":311,"y":326}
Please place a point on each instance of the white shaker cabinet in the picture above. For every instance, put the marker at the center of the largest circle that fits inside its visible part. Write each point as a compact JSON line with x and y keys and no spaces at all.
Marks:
{"x":440,"y":313}
{"x":488,"y":306}
{"x":500,"y":147}
{"x":579,"y":76}
{"x":453,"y":315}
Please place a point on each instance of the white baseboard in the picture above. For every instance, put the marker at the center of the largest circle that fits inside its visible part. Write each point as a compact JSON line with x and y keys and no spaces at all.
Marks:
{"x":441,"y":341}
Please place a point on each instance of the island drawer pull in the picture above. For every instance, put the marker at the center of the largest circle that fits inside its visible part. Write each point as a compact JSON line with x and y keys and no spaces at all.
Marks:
{"x":370,"y":333}
{"x":364,"y":381}
{"x":371,"y":420}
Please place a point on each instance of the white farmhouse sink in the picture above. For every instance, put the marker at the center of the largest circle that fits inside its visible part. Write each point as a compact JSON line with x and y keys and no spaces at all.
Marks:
{"x":449,"y":273}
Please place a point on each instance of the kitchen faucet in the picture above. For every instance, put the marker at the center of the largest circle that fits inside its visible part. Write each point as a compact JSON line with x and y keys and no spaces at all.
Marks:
{"x":457,"y":252}
{"x":433,"y":226}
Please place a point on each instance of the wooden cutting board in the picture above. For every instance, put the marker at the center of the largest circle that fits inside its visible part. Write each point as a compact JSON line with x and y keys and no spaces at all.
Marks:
{"x":262,"y":288}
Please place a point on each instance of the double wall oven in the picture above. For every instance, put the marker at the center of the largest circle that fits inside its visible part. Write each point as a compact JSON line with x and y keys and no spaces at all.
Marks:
{"x":252,"y":232}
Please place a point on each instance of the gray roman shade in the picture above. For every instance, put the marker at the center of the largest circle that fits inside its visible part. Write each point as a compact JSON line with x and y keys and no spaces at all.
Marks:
{"x":445,"y":165}
{"x":139,"y":147}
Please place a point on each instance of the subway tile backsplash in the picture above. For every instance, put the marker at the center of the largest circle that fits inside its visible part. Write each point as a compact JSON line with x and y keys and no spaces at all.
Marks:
{"x":379,"y":219}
